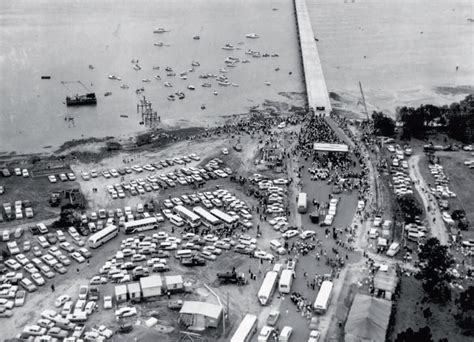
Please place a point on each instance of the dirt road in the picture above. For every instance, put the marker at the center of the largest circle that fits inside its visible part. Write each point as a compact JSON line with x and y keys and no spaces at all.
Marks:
{"x":433,"y":216}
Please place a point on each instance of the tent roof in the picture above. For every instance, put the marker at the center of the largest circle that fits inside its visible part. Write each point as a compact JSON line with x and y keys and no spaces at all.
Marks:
{"x":324,"y":147}
{"x":386,"y":281}
{"x":201,"y":308}
{"x":368,"y":319}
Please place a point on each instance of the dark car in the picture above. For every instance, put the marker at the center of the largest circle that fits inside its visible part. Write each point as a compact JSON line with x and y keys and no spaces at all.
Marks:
{"x":83,"y":231}
{"x":52,"y":239}
{"x":193,"y":261}
{"x":175,"y":304}
{"x":34,"y":230}
{"x":161,"y":254}
{"x":125,"y":328}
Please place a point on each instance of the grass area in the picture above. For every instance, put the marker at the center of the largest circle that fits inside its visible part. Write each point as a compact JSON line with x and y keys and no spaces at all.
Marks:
{"x":461,"y":182}
{"x":409,"y":314}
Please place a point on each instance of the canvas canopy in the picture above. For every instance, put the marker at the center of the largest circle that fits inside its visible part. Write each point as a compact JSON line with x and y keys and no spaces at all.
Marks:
{"x":324,"y":147}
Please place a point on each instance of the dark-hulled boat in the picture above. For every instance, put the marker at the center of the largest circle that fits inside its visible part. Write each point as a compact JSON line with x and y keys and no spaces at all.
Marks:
{"x":81,"y":100}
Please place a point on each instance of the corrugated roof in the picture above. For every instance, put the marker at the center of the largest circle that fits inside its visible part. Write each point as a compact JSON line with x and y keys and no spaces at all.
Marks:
{"x":201,"y":308}
{"x":150,"y":282}
{"x":368,"y":319}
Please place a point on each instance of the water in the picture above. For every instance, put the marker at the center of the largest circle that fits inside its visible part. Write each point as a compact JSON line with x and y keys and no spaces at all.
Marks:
{"x":402,"y":65}
{"x":61,"y":38}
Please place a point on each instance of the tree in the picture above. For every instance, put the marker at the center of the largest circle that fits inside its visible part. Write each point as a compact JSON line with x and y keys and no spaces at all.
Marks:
{"x":435,"y":262}
{"x":465,"y":314}
{"x":143,"y":139}
{"x":409,"y":207}
{"x":413,"y":120}
{"x":422,"y":335}
{"x":383,"y":125}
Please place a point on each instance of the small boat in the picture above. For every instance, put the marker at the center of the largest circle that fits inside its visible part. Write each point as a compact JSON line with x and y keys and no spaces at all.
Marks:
{"x":266,"y":55}
{"x":180,"y":95}
{"x":234,"y":58}
{"x":215,"y":93}
{"x":194,"y":63}
{"x":112,"y":77}
{"x":168,"y":85}
{"x":191,"y":87}
{"x":245,"y":61}
{"x":45,"y":77}
{"x":223,"y":70}
{"x":158,"y":44}
{"x":267,"y":83}
{"x":203,"y":106}
{"x":249,"y":52}
{"x":171,"y":98}
{"x":212,"y":75}
{"x":137,"y":67}
{"x":108,"y":93}
{"x":223,"y":83}
{"x":277,"y":69}
{"x":156,"y":68}
{"x":123,"y":116}
{"x":184,"y":77}
{"x":119,"y":78}
{"x":168,"y":69}
{"x":157,"y":77}
{"x":146,"y":80}
{"x":203,"y":76}
{"x":196,"y":37}
{"x":184,"y":73}
{"x":140,"y":90}
{"x":228,"y":47}
{"x":91,"y":66}
{"x":232,"y":64}
{"x":274,"y":9}
{"x":234,"y":85}
{"x":252,"y":35}
{"x":124,"y":86}
{"x":275,"y":55}
{"x":159,"y":30}
{"x":206,"y":85}
{"x":192,"y":69}
{"x":256,"y":54}
{"x":171,"y":74}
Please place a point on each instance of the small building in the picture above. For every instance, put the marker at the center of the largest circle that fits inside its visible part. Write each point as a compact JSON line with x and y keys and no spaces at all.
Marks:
{"x":151,"y":286}
{"x":134,"y":291}
{"x":174,"y":283}
{"x":121,"y":293}
{"x":200,"y":315}
{"x":385,"y":283}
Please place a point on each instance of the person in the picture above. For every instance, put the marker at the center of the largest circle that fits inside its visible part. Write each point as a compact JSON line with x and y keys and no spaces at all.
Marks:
{"x":168,"y":294}
{"x":52,"y":287}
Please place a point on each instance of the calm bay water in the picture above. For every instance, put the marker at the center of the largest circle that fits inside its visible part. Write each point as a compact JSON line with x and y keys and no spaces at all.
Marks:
{"x":61,"y":38}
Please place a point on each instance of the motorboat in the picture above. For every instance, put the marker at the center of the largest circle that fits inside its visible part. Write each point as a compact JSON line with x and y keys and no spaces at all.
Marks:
{"x":171,"y":97}
{"x":119,"y":78}
{"x":212,"y":75}
{"x":184,"y":73}
{"x":191,"y":87}
{"x":275,"y":55}
{"x":277,"y":69}
{"x":203,"y":106}
{"x":184,"y":77}
{"x":234,"y":84}
{"x":195,"y":63}
{"x":267,"y":83}
{"x":112,"y":77}
{"x":256,"y":54}
{"x":252,"y":35}
{"x":124,"y":86}
{"x":108,"y":93}
{"x":171,"y":74}
{"x":196,"y":37}
{"x":223,"y":70}
{"x":266,"y":55}
{"x":180,"y":95}
{"x":158,"y":44}
{"x":249,"y":52}
{"x":156,"y":68}
{"x":203,"y":76}
{"x":230,"y":64}
{"x":159,"y":30}
{"x":137,"y":67}
{"x":168,"y":84}
{"x":91,"y":66}
{"x":192,"y":69}
{"x":223,"y":83}
{"x":228,"y":47}
{"x":245,"y":61}
{"x":234,"y":58}
{"x":146,"y":80}
{"x":168,"y":69}
{"x":206,"y":85}
{"x":216,"y":93}
{"x":158,"y":77}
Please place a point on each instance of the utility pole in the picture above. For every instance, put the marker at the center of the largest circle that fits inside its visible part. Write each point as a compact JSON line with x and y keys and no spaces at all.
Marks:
{"x":363,"y":100}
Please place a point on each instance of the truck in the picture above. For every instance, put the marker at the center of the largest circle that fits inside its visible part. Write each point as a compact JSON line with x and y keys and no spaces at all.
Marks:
{"x":302,"y":202}
{"x":231,"y":277}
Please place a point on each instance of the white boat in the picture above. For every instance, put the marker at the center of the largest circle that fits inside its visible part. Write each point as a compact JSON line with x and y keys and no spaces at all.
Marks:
{"x":191,"y":87}
{"x":206,"y":85}
{"x":235,"y":85}
{"x":168,"y":69}
{"x":124,"y":86}
{"x":195,"y":63}
{"x":184,"y":77}
{"x":159,"y":30}
{"x":215,"y":92}
{"x":228,"y":47}
{"x":158,"y":77}
{"x":267,"y":83}
{"x":112,"y":77}
{"x":146,"y":80}
{"x":118,"y":78}
{"x":249,"y":52}
{"x":171,"y":97}
{"x":168,"y":84}
{"x":256,"y":54}
{"x":245,"y":61}
{"x":251,"y":35}
{"x":223,"y":70}
{"x":158,"y":44}
{"x":171,"y":74}
{"x":223,"y":83}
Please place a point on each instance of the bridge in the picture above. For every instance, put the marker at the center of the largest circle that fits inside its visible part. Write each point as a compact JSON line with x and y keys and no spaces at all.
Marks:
{"x":316,"y":90}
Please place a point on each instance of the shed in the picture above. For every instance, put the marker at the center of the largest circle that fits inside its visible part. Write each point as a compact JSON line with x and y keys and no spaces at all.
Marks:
{"x":368,"y":319}
{"x":121,"y":293}
{"x":386,"y":282}
{"x":151,"y":286}
{"x":200,"y":315}
{"x":134,"y":291}
{"x":174,"y":283}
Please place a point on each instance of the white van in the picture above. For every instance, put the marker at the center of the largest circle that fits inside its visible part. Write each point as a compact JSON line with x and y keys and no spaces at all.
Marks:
{"x":183,"y":253}
{"x":373,"y":233}
{"x":286,"y":280}
{"x":393,"y":249}
{"x":285,"y":334}
{"x":92,"y":227}
{"x":276,"y":246}
{"x":176,"y":220}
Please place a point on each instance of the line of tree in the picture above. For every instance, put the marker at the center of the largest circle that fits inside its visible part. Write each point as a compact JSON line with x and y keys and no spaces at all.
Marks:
{"x":465,"y":313}
{"x":383,"y":125}
{"x":456,"y":119}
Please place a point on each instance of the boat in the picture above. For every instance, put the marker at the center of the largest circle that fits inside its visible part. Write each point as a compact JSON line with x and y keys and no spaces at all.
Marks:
{"x":45,"y":77}
{"x":192,"y":69}
{"x":168,"y":69}
{"x":274,"y":9}
{"x":196,"y":37}
{"x":119,"y":78}
{"x":157,"y":77}
{"x":184,"y":77}
{"x":203,"y":106}
{"x":158,"y":44}
{"x":266,"y":55}
{"x":81,"y":100}
{"x":206,"y":85}
{"x":180,"y":95}
{"x":256,"y":54}
{"x":212,"y":75}
{"x":277,"y":69}
{"x":112,"y":77}
{"x":234,"y":84}
{"x":124,"y":86}
{"x":159,"y":30}
{"x":146,"y":80}
{"x":168,"y":85}
{"x":252,"y":35}
{"x":249,"y":52}
{"x":203,"y":76}
{"x":137,"y":67}
{"x":191,"y":87}
{"x":184,"y":73}
{"x":223,"y":70}
{"x":230,"y":64}
{"x":123,"y":116}
{"x":108,"y":93}
{"x":267,"y":83}
{"x":194,"y":63}
{"x":228,"y":47}
{"x":223,"y":83}
{"x":245,"y":61}
{"x":215,"y":93}
{"x":171,"y":74}
{"x":275,"y":55}
{"x":234,"y":58}
{"x":140,"y":90}
{"x":171,"y":97}
{"x":91,"y":66}
{"x":156,"y":68}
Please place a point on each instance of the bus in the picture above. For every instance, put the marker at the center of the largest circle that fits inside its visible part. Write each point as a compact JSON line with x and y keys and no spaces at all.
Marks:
{"x":286,"y":280}
{"x":246,"y":329}
{"x":323,"y":298}
{"x":268,"y":287}
{"x":302,"y":203}
{"x":102,"y":236}
{"x":229,"y":221}
{"x":191,"y":218}
{"x":208,"y":219}
{"x":140,"y":225}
